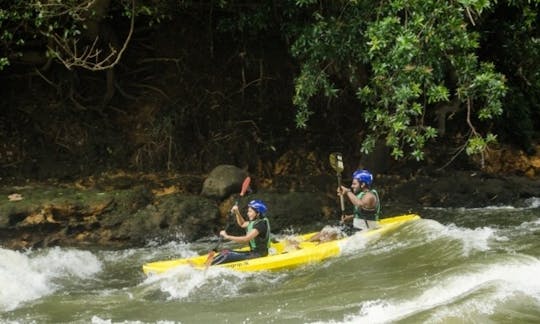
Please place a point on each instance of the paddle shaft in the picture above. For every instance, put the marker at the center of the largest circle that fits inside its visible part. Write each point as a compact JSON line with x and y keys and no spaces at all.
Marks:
{"x":336,"y":162}
{"x":341,"y":198}
{"x":220,"y":240}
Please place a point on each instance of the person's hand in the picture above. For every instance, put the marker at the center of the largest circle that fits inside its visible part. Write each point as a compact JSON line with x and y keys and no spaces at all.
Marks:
{"x":343,"y":190}
{"x":223,"y":233}
{"x":346,"y":218}
{"x":234,"y":209}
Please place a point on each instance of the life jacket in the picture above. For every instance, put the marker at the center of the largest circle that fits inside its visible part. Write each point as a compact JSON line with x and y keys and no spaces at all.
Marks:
{"x":367,"y":213}
{"x":259,"y":244}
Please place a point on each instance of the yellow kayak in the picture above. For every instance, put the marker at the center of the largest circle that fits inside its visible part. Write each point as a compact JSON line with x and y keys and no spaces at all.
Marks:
{"x":283,"y":255}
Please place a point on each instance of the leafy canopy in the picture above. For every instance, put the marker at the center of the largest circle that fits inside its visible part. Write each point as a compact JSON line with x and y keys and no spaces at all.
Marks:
{"x":417,"y":53}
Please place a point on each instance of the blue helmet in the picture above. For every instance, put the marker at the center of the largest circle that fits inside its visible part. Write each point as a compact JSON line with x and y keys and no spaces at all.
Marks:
{"x":363,"y":176}
{"x":258,"y":206}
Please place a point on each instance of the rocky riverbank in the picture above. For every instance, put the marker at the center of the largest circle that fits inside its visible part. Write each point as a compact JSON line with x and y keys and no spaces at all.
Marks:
{"x":124,"y":210}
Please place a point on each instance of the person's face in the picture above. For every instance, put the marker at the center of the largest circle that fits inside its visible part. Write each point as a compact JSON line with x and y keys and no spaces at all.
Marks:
{"x":252,"y":214}
{"x":355,"y":186}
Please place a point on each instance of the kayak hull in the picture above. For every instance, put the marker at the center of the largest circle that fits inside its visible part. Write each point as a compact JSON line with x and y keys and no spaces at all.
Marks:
{"x":283,"y":254}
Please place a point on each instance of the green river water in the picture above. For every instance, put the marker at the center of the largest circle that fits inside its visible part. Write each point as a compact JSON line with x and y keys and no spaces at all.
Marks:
{"x":452,"y":266}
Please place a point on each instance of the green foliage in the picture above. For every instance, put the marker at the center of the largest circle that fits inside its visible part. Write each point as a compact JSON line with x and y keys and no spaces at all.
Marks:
{"x":13,"y":19}
{"x":155,"y":12}
{"x":478,"y":144}
{"x":409,"y":49}
{"x":3,"y":62}
{"x":307,"y":85}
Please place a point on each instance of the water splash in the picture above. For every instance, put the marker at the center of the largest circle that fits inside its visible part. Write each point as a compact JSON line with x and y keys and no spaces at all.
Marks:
{"x":533,"y":202}
{"x":32,"y":275}
{"x":188,"y":283}
{"x":459,"y":295}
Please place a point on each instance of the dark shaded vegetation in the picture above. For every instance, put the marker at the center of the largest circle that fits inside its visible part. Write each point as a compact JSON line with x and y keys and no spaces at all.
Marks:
{"x":202,"y":84}
{"x":510,"y":39}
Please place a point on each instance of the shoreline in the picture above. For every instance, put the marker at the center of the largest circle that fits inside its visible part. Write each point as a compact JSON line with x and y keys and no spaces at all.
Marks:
{"x":127,"y":210}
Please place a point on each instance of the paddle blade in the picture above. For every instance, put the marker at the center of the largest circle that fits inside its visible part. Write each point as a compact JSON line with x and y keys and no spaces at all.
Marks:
{"x":209,"y":259}
{"x":336,"y":162}
{"x":245,"y":186}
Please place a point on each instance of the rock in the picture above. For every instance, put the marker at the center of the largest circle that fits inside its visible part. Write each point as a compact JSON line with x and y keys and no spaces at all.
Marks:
{"x":297,"y":208}
{"x":177,"y":216}
{"x":223,"y":181}
{"x":461,"y":189}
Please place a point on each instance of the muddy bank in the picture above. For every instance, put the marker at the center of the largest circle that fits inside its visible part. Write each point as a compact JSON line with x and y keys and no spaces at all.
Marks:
{"x":126,"y":210}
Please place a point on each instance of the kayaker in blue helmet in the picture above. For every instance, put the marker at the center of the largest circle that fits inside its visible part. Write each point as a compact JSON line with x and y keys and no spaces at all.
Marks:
{"x":366,"y":202}
{"x":257,"y":234}
{"x":366,"y":212}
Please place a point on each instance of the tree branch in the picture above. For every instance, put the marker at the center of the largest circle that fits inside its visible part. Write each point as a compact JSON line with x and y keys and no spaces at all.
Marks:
{"x":89,"y":59}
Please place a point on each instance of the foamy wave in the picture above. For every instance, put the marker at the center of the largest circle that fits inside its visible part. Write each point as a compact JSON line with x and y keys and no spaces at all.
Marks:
{"x":533,"y":202}
{"x":58,"y":262}
{"x":353,"y":244}
{"x":471,"y":239}
{"x":530,"y":226}
{"x":19,"y":281}
{"x":29,"y":276}
{"x":183,"y":281}
{"x":497,"y":282}
{"x":504,"y":281}
{"x":188,"y":283}
{"x":529,"y":203}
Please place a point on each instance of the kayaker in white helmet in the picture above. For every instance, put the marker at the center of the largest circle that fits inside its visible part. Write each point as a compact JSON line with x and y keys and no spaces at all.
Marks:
{"x":257,"y":234}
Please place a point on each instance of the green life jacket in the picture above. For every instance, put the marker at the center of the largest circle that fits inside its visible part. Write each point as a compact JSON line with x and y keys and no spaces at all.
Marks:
{"x":259,"y":244}
{"x":366,"y":213}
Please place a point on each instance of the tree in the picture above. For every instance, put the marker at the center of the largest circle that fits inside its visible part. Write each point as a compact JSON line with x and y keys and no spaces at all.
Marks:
{"x":405,"y":58}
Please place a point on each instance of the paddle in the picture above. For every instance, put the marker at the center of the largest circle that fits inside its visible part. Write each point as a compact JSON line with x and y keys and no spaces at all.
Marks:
{"x":212,"y":253}
{"x":336,"y":162}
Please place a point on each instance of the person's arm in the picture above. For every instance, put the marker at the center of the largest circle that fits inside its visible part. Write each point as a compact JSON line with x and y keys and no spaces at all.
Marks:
{"x":240,"y":239}
{"x":343,"y":191}
{"x":367,"y":201}
{"x":239,"y":219}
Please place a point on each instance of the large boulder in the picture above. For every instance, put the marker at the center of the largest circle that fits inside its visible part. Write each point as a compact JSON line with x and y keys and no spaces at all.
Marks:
{"x":223,"y":181}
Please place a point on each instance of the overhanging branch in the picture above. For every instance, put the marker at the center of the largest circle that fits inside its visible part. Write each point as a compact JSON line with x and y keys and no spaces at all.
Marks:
{"x":90,"y":57}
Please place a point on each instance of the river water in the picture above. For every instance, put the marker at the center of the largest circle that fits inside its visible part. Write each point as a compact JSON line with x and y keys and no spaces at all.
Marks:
{"x":452,"y":266}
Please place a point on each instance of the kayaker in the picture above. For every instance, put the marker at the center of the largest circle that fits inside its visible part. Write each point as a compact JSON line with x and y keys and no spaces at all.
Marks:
{"x":366,"y":202}
{"x":367,"y":209}
{"x":257,"y":234}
